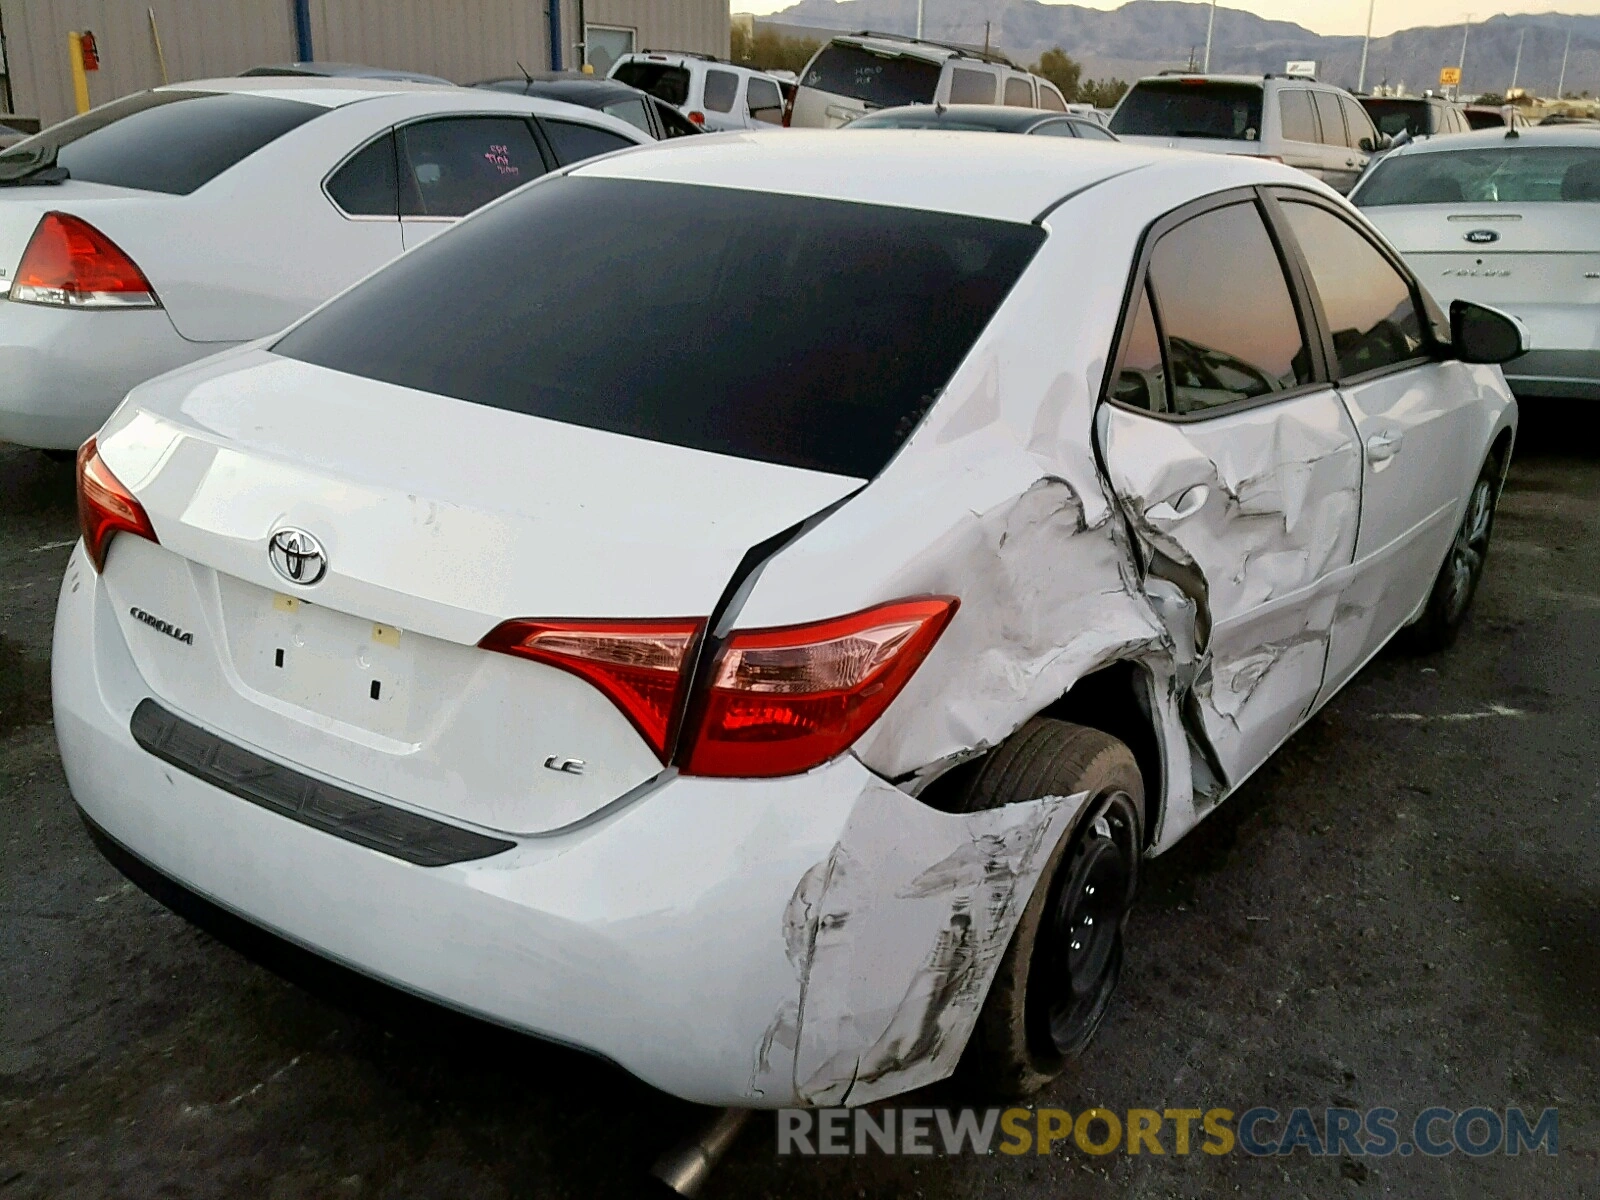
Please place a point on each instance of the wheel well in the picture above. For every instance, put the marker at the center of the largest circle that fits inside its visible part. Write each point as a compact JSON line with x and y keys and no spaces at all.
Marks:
{"x":1501,"y":453}
{"x":1117,"y":700}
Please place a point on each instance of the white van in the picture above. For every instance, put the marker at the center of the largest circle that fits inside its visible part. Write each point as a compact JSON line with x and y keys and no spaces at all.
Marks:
{"x":716,"y":95}
{"x":1320,"y":128}
{"x":860,"y":72}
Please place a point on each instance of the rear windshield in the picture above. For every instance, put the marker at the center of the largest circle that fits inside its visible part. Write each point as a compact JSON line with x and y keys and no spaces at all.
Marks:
{"x":1395,"y":117}
{"x":1176,"y":108}
{"x":660,"y":80}
{"x":166,"y":141}
{"x":1506,"y":175}
{"x":812,"y":333}
{"x":880,"y":80}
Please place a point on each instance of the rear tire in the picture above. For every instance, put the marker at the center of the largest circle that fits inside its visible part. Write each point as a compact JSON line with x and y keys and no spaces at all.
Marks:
{"x":1055,"y":983}
{"x":1457,"y":581}
{"x":60,"y":456}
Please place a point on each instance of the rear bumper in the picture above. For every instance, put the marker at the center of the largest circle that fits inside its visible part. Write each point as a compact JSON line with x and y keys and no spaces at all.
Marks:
{"x":1558,"y":374}
{"x":62,"y":372}
{"x":756,"y":943}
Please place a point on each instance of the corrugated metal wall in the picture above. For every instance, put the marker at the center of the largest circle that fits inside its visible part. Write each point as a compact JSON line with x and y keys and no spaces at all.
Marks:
{"x":463,"y":40}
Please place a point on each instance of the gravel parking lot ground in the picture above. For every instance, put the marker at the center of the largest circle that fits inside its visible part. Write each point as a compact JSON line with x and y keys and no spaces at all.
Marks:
{"x":1402,"y":909}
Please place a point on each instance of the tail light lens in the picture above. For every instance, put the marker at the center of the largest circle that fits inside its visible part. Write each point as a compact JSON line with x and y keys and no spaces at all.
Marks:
{"x":638,"y":665}
{"x":699,"y":118}
{"x":105,"y":507}
{"x":782,"y":701}
{"x":71,"y":264}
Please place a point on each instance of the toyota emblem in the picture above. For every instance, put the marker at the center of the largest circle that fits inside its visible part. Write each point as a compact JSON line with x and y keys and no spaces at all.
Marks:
{"x":297,"y":556}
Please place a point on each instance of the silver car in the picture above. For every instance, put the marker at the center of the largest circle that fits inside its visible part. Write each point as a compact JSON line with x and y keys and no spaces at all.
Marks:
{"x":1508,"y":219}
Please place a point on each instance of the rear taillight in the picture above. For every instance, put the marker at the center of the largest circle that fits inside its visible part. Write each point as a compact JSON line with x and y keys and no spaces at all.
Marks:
{"x":105,"y":507}
{"x":699,"y":118}
{"x":782,"y":701}
{"x":71,"y":264}
{"x":639,"y":665}
{"x":788,"y":112}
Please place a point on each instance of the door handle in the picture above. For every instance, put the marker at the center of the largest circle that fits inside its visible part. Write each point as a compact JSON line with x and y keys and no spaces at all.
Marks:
{"x":1183,"y":506}
{"x":1381,"y":447}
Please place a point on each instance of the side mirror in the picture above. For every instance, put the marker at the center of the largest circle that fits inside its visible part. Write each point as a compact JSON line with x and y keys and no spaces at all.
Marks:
{"x":1479,"y":334}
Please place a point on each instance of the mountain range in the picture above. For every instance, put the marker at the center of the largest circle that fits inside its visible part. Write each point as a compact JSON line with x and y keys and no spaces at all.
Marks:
{"x":1145,"y":36}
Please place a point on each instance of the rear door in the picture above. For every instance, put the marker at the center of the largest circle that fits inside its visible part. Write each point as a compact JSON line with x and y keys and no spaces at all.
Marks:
{"x":365,"y":188}
{"x":1415,"y":414}
{"x":723,"y":99}
{"x":1342,"y":163}
{"x":1301,"y":141}
{"x":1236,"y":466}
{"x":452,"y":166}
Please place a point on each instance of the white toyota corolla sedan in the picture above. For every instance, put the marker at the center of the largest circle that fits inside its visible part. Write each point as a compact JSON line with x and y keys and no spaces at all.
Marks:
{"x":171,"y":224}
{"x":779,"y":706}
{"x":1511,"y":219}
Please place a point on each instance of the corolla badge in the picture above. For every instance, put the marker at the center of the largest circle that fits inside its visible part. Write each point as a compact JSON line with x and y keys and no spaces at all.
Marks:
{"x":1482,"y":237}
{"x":297,"y":556}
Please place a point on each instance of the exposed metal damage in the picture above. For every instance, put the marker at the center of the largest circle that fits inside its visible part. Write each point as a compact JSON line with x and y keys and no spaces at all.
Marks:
{"x":906,"y":894}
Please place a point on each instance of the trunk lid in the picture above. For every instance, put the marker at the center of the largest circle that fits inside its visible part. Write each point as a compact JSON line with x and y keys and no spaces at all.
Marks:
{"x":439,"y":519}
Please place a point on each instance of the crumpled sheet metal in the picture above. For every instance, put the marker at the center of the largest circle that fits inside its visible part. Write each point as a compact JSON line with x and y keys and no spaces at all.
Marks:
{"x":895,"y":937}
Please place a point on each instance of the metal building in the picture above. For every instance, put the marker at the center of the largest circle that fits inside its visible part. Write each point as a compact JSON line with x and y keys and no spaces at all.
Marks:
{"x":142,"y":43}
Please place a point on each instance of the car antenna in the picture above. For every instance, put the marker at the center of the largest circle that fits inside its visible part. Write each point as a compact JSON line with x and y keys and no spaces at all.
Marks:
{"x":525,"y":75}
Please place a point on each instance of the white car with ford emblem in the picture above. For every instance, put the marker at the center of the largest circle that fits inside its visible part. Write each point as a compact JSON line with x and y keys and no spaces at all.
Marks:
{"x":781,"y":708}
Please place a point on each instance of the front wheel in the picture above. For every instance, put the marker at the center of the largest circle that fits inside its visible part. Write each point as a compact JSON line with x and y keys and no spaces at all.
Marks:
{"x":1457,"y":581}
{"x":1055,"y":983}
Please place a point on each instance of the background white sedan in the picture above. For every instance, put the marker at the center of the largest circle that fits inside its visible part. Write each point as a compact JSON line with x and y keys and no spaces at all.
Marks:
{"x":1511,"y":220}
{"x":174,"y":223}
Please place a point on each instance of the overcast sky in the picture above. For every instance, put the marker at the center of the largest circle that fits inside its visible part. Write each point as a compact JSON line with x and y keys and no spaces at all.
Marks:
{"x":1322,"y":16}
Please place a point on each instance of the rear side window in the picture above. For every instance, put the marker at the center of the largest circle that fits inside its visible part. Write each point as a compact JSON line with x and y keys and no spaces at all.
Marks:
{"x":659,"y":79}
{"x":1332,"y":116}
{"x":1367,"y":302}
{"x":881,"y":80}
{"x":722,"y":89}
{"x":764,"y":100}
{"x":574,"y":142}
{"x":1019,"y":92}
{"x":971,"y":87}
{"x":367,"y":185}
{"x":632,"y":111}
{"x":838,"y":324}
{"x":1357,"y":122}
{"x":1174,"y":108}
{"x":1093,"y":130}
{"x":1228,"y":323}
{"x":168,"y":141}
{"x":1501,"y":174}
{"x":455,"y":166}
{"x":1294,"y":110}
{"x":1050,"y":98}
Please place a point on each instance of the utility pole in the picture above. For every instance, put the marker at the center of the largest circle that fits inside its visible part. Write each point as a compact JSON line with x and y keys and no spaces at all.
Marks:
{"x":1211,"y":22}
{"x":1561,"y":87}
{"x":919,"y":18}
{"x":1516,"y":67}
{"x":1461,"y":67}
{"x":1361,"y":82}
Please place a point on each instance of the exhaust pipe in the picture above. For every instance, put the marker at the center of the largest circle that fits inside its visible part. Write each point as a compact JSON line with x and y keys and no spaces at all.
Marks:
{"x":686,"y":1167}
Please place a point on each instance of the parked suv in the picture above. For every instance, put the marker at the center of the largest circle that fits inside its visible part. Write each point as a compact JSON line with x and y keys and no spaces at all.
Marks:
{"x":1314,"y":126}
{"x":713,"y":93}
{"x":860,"y":72}
{"x":1420,"y":116}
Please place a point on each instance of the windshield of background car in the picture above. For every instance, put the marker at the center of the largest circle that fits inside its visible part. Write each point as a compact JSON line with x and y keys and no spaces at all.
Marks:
{"x":166,"y":141}
{"x":836,"y":324}
{"x":1202,"y":109}
{"x":1399,"y":116}
{"x":881,"y":80}
{"x":662,"y":81}
{"x":1503,"y":174}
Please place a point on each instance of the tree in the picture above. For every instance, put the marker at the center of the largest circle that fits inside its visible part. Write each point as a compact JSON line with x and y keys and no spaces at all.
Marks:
{"x":769,"y":51}
{"x":1061,"y":69}
{"x":1102,"y":93}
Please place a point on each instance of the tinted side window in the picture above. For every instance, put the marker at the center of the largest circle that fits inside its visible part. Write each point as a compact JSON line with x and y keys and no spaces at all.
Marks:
{"x":632,"y":111}
{"x":1094,"y":131}
{"x":1294,"y":107}
{"x":1142,"y":381}
{"x":367,"y":186}
{"x":1367,"y":302}
{"x":573,"y":142}
{"x":454,"y":166}
{"x":1050,"y":98}
{"x":764,"y":100}
{"x":1019,"y":92}
{"x":172,"y":142}
{"x":1357,"y":122}
{"x":1227,"y":318}
{"x":722,"y":89}
{"x":1332,"y":118}
{"x":1054,"y":129}
{"x":971,"y":87}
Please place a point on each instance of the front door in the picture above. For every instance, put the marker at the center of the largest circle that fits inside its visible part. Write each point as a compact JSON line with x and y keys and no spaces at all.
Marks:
{"x":1236,"y":466}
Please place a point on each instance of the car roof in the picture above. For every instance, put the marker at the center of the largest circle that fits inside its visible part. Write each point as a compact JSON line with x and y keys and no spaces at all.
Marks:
{"x":339,"y":70}
{"x":1002,"y":178}
{"x":1488,"y":139}
{"x":562,"y":85}
{"x":326,"y":91}
{"x":990,"y":116}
